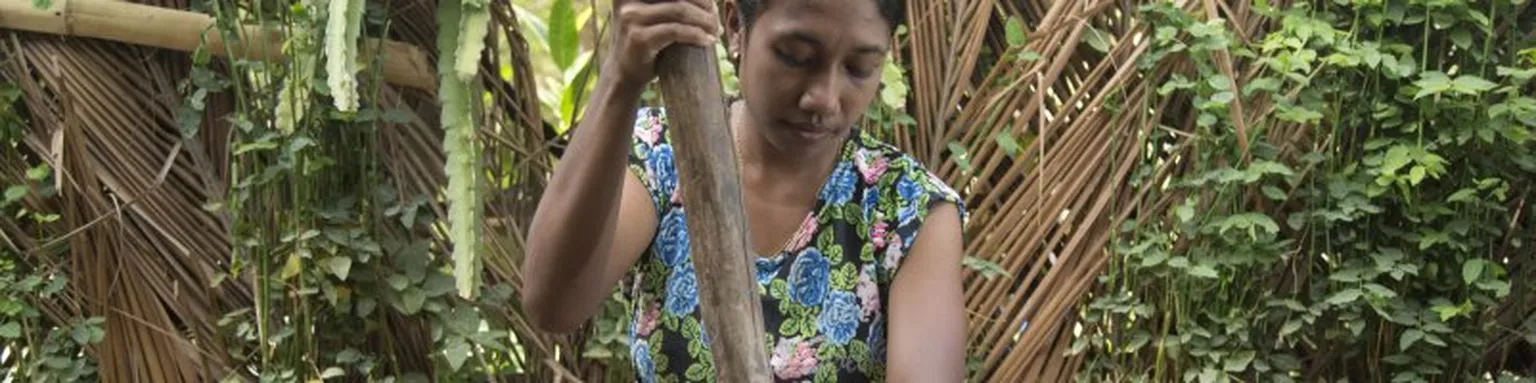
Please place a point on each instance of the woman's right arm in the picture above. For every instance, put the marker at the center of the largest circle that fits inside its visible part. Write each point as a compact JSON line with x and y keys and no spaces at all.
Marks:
{"x":594,"y":219}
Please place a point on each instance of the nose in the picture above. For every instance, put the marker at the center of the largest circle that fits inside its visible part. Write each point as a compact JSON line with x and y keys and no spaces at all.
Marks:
{"x":821,"y":95}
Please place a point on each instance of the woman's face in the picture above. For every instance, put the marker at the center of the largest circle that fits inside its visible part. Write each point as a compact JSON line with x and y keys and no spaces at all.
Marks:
{"x":809,"y":68}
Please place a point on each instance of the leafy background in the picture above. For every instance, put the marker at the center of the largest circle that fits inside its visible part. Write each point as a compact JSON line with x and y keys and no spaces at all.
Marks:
{"x":1159,"y":191}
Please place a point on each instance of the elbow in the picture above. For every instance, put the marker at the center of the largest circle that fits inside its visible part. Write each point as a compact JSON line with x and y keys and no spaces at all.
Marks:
{"x":545,"y":314}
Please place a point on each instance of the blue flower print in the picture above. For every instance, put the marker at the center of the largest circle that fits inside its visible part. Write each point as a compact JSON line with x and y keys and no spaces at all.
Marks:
{"x":640,"y":351}
{"x":672,"y":242}
{"x":808,"y":277}
{"x":909,"y":191}
{"x":767,"y":268}
{"x":839,"y":317}
{"x":661,"y":167}
{"x":870,"y":203}
{"x":840,"y":186}
{"x":876,"y":341}
{"x":682,"y":290}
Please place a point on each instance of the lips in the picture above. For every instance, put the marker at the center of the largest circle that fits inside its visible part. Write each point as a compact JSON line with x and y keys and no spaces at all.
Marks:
{"x":807,"y":129}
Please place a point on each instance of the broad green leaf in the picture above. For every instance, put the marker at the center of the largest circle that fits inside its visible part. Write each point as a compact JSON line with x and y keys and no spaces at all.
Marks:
{"x":411,"y":300}
{"x":1008,"y":144}
{"x":39,"y":172}
{"x":1446,"y":312}
{"x":1395,"y":159}
{"x":1471,"y":269}
{"x":1204,"y":271}
{"x":398,"y":282}
{"x":1471,"y":85}
{"x":1138,"y":340}
{"x":1098,"y":39}
{"x":332,"y":372}
{"x":1431,"y":83}
{"x":457,"y":352}
{"x":1273,"y":193}
{"x":961,"y":158}
{"x":1185,"y":212}
{"x":339,"y":266}
{"x":1463,"y":195}
{"x":1238,"y":361}
{"x":1206,"y":119}
{"x":1462,"y":38}
{"x":1222,"y":97}
{"x":1209,"y":375}
{"x":1153,"y":259}
{"x":292,"y":267}
{"x":1265,"y":84}
{"x":1434,"y":340}
{"x":1219,"y":82}
{"x":563,"y":41}
{"x":987,"y":269}
{"x":1415,"y":175}
{"x":1517,"y":74}
{"x":1343,"y":297}
{"x":10,"y":330}
{"x":1409,"y":338}
{"x":1290,"y":327}
{"x":14,"y":193}
{"x":1014,"y":31}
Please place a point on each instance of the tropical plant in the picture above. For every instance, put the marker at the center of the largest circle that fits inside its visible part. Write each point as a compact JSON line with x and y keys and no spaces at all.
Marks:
{"x":1193,"y":191}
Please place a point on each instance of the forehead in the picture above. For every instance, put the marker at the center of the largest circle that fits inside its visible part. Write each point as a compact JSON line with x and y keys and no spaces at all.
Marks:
{"x":845,"y":22}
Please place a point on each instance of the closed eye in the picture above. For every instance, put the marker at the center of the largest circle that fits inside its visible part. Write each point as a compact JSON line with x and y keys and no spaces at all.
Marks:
{"x":791,"y":60}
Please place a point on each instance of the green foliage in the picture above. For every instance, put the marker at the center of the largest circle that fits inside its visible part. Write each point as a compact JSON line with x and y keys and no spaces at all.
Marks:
{"x":1381,"y":249}
{"x":37,"y":348}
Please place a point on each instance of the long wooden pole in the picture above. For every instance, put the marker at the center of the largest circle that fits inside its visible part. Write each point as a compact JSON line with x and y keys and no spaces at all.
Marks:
{"x":717,"y":225}
{"x":139,"y":24}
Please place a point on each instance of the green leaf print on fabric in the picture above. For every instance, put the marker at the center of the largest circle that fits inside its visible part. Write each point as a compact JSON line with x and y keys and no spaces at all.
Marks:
{"x":779,"y":289}
{"x":863,"y":223}
{"x":844,"y":277}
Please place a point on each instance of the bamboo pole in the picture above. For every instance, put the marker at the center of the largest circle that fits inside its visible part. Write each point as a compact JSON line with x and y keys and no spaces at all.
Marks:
{"x":404,"y":64}
{"x":707,"y":164}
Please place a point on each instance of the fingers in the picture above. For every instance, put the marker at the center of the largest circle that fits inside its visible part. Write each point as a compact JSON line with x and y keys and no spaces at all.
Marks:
{"x":658,"y":37}
{"x":697,"y":13}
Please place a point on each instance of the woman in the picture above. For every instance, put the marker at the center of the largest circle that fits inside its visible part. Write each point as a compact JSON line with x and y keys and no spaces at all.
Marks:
{"x":834,"y":214}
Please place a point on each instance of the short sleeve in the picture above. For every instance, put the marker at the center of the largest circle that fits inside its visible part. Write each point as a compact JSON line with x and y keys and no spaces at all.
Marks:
{"x":918,"y":191}
{"x":651,"y":157}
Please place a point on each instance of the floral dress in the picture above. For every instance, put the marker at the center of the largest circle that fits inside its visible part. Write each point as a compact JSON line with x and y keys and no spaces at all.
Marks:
{"x":821,"y":296}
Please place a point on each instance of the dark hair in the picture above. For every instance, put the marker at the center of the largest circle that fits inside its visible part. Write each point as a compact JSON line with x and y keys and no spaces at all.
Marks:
{"x":894,"y":11}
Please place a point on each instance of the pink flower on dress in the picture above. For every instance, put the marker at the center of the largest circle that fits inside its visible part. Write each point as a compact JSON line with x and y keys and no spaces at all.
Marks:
{"x":793,"y":359}
{"x":871,"y":164}
{"x":893,"y":252}
{"x":877,"y":233}
{"x":648,"y":320}
{"x":651,"y":132}
{"x":803,"y":237}
{"x":869,"y":293}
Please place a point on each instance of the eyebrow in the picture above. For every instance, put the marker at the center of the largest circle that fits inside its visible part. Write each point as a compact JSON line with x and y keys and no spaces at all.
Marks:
{"x":809,"y":39}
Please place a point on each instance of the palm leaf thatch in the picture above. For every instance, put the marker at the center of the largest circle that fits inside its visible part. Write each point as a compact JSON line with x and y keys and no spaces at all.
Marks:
{"x":142,"y":250}
{"x":1033,"y":135}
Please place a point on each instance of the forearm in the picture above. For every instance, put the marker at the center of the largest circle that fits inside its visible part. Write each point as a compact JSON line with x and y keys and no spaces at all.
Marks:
{"x":570,"y":239}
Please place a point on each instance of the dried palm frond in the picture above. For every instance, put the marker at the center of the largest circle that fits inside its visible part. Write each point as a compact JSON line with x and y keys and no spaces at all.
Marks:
{"x":143,"y":252}
{"x":1046,"y":210}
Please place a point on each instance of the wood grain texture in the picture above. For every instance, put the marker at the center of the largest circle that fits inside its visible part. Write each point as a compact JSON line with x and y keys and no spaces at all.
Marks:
{"x":717,"y":225}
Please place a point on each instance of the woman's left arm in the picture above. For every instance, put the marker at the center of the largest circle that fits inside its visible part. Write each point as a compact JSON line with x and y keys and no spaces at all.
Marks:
{"x":927,"y":308}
